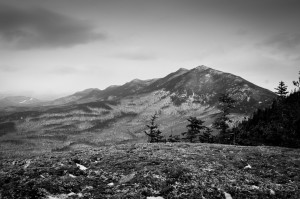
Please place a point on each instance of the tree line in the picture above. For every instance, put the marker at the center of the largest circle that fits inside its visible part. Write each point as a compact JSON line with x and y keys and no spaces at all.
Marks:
{"x":196,"y":130}
{"x":277,"y":125}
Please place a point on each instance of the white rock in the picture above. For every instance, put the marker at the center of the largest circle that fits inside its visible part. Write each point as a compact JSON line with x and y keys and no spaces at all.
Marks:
{"x":72,"y":194}
{"x":126,"y":178}
{"x":72,"y":176}
{"x":52,"y":197}
{"x":81,"y":167}
{"x":247,"y":167}
{"x":153,"y":197}
{"x":227,"y":195}
{"x":254,"y":187}
{"x":28,"y":162}
{"x":272,"y":192}
{"x":111,"y":184}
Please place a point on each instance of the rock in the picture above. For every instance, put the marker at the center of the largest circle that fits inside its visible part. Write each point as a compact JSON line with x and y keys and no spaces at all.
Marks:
{"x":272,"y":192}
{"x":126,"y":178}
{"x":72,"y":176}
{"x":27,"y":164}
{"x":248,"y":167}
{"x":52,"y":197}
{"x":254,"y":187}
{"x":88,"y":188}
{"x":153,"y":197}
{"x":110,"y":184}
{"x":72,"y":194}
{"x":81,"y":167}
{"x":227,"y":195}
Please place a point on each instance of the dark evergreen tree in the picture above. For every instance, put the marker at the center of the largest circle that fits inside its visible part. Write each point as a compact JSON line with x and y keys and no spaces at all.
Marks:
{"x":278,"y":125}
{"x":206,"y":136}
{"x":226,"y":104}
{"x":154,"y":133}
{"x":281,"y":90}
{"x":194,"y":129}
{"x":174,"y":138}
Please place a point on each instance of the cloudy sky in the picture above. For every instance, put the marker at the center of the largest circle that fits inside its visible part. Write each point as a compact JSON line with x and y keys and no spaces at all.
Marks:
{"x":50,"y":48}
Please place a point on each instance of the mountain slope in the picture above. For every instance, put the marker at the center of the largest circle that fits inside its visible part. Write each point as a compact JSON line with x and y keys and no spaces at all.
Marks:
{"x":88,"y":93}
{"x":204,"y":85}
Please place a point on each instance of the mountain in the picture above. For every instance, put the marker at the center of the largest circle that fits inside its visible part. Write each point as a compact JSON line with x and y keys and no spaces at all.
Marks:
{"x":18,"y":101}
{"x":120,"y":113}
{"x":201,"y":84}
{"x":77,"y":97}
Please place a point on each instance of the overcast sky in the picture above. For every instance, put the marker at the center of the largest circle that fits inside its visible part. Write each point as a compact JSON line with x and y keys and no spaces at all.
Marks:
{"x":58,"y":47}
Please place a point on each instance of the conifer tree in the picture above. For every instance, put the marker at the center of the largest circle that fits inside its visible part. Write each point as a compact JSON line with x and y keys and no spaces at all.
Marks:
{"x":154,"y":133}
{"x":174,"y":138}
{"x":206,"y":137}
{"x":226,"y":103}
{"x":281,"y":90}
{"x":194,"y":129}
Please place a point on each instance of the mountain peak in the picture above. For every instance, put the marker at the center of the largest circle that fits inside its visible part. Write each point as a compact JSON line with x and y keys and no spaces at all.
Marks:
{"x":201,"y":68}
{"x":182,"y":70}
{"x":136,"y":81}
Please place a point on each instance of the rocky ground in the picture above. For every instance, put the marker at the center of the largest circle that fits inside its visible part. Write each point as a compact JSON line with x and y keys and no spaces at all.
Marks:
{"x":178,"y":170}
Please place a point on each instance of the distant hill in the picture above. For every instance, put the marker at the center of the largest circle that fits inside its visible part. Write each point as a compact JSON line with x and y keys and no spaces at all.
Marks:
{"x":91,"y":93}
{"x":18,"y":101}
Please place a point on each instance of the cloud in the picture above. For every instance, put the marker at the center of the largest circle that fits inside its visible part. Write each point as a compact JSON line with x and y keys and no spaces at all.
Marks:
{"x":284,"y":41}
{"x":287,"y":44}
{"x":137,"y":56}
{"x":42,"y":28}
{"x":8,"y":69}
{"x":241,"y":32}
{"x":64,"y":70}
{"x":136,"y":53}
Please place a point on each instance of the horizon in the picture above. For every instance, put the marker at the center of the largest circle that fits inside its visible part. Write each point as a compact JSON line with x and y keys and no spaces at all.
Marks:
{"x":50,"y":49}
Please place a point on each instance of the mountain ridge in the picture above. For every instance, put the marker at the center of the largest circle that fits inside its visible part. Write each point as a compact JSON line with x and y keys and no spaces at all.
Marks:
{"x":199,"y":80}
